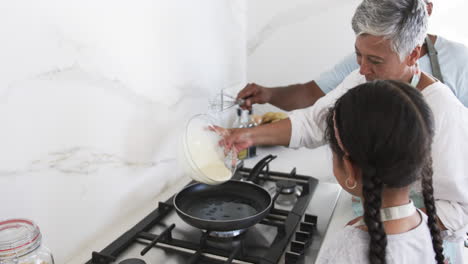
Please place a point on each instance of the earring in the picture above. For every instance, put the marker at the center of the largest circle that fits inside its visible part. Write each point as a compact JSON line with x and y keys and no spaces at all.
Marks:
{"x":350,"y":187}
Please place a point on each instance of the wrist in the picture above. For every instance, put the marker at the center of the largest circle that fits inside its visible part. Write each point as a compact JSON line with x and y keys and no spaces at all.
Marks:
{"x":250,"y":136}
{"x":269,"y":95}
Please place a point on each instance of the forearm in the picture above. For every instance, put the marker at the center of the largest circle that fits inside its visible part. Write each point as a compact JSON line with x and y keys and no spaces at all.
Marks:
{"x":277,"y":133}
{"x":453,"y":216}
{"x":296,"y":96}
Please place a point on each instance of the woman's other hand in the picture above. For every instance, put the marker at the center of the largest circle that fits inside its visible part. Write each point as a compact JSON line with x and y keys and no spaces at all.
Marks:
{"x":254,"y":94}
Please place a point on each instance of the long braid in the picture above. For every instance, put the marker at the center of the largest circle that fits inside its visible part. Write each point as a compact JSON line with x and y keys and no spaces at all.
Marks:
{"x":426,"y":182}
{"x":372,"y":193}
{"x":389,"y":132}
{"x":428,"y":194}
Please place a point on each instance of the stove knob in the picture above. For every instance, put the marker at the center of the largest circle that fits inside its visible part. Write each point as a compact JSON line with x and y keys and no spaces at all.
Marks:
{"x":306,"y":230}
{"x":312,"y":219}
{"x":296,"y":255}
{"x":293,"y":258}
{"x":307,"y":227}
{"x":304,"y":237}
{"x":309,"y":224}
{"x":298,"y":247}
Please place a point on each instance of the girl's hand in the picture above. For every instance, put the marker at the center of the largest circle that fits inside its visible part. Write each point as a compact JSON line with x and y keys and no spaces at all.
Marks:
{"x":235,"y":139}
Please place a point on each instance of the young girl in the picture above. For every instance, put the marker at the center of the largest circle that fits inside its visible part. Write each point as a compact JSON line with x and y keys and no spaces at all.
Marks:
{"x":380,"y":133}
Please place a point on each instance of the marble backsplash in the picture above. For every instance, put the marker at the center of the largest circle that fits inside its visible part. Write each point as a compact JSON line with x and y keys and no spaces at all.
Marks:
{"x":93,"y":100}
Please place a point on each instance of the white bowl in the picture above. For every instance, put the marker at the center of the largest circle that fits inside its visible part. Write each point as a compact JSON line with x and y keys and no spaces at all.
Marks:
{"x":206,"y":159}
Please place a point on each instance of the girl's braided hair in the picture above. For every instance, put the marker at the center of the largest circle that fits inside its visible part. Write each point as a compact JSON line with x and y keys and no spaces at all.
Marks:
{"x":386,"y":129}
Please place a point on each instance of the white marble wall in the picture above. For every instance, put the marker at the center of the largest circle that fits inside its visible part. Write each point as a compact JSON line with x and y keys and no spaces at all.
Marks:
{"x":93,"y":96}
{"x":449,"y":20}
{"x":293,"y":41}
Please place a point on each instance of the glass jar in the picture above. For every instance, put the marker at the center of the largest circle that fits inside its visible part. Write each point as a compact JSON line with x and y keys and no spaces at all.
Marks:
{"x":21,"y":243}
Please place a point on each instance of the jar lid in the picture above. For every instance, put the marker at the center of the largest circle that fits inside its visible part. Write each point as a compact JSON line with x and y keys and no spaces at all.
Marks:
{"x":18,"y":236}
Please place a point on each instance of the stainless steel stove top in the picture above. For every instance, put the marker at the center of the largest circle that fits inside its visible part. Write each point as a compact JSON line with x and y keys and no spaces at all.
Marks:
{"x":257,"y":240}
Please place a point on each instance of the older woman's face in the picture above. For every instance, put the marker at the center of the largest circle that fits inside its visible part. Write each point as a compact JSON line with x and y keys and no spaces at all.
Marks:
{"x":377,"y":61}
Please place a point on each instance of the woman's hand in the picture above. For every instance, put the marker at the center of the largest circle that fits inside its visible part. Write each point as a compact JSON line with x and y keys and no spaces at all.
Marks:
{"x":355,"y":220}
{"x":254,"y":94}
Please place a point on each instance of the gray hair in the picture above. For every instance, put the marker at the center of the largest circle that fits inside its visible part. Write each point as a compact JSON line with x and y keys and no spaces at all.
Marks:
{"x":403,"y":22}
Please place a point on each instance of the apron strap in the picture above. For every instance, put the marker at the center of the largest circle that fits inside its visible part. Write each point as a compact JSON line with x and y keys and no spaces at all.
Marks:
{"x":432,"y":52}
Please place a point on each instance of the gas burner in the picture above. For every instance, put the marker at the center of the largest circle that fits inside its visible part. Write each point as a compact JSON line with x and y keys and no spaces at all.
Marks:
{"x":132,"y":261}
{"x":226,"y":234}
{"x":289,"y":192}
{"x":286,"y":187}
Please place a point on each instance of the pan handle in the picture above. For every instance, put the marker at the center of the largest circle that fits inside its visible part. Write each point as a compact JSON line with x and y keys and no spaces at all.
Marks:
{"x":259,"y":167}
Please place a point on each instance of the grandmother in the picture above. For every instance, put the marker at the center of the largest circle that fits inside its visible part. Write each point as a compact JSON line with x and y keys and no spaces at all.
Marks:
{"x":442,"y":58}
{"x":389,"y":36}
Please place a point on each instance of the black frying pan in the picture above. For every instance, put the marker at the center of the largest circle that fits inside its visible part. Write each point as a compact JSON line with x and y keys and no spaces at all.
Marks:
{"x":232,"y":205}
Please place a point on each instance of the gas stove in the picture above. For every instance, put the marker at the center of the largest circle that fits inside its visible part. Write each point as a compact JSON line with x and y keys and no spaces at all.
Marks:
{"x":292,"y":232}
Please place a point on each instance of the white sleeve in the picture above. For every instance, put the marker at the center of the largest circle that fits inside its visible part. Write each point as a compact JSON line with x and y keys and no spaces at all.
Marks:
{"x":308,"y":124}
{"x":454,"y":216}
{"x":449,"y":152}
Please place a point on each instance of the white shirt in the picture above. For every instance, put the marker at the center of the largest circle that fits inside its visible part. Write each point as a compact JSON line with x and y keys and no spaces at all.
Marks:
{"x":449,"y":148}
{"x":351,"y":245}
